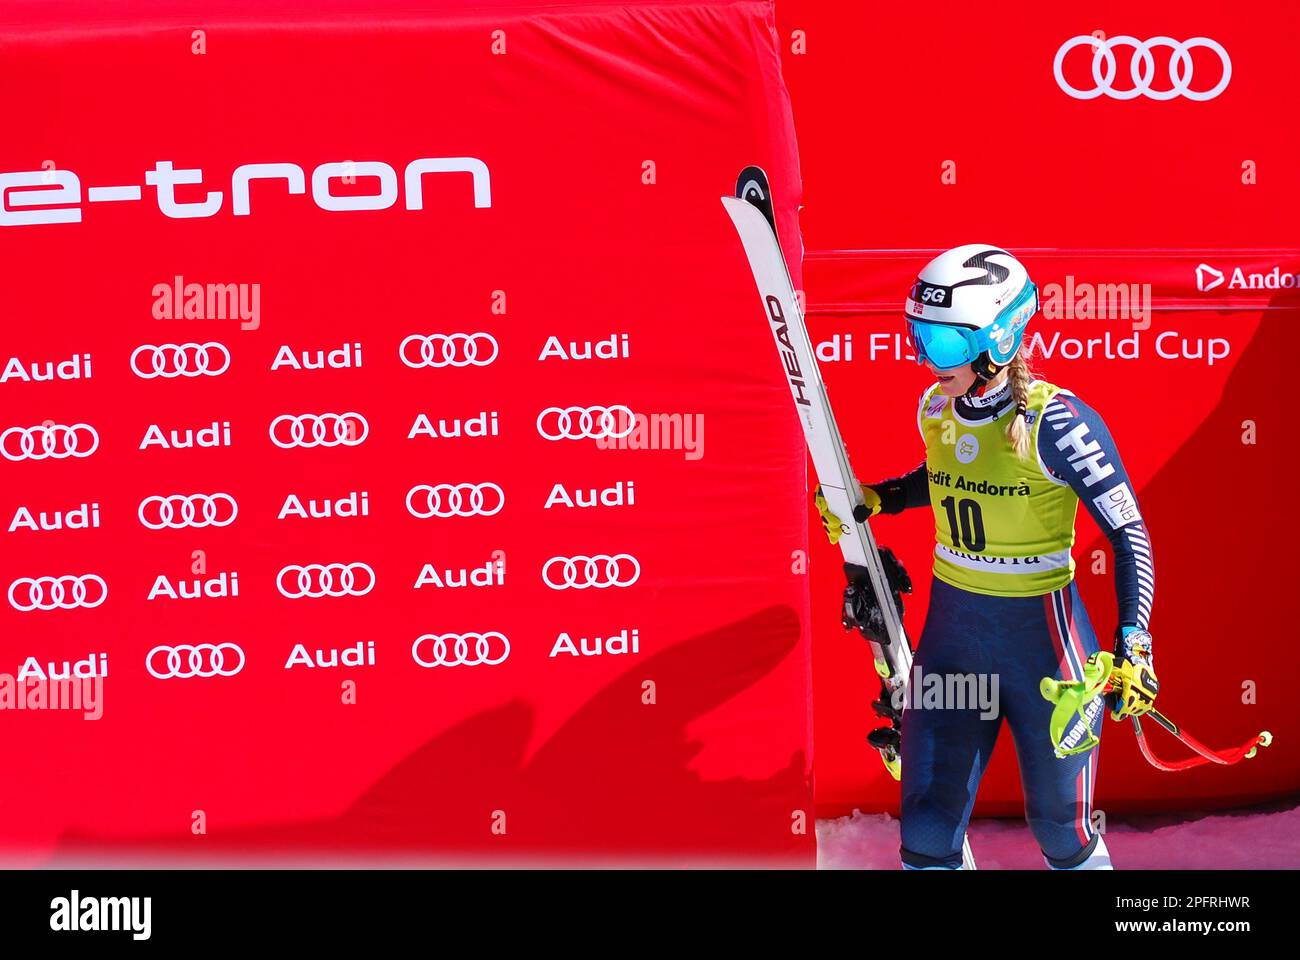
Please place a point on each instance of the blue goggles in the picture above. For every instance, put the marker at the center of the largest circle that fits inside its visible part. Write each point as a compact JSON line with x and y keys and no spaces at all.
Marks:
{"x":948,"y":347}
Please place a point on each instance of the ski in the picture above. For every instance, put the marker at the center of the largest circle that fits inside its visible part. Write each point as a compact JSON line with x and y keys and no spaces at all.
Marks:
{"x":875,"y":579}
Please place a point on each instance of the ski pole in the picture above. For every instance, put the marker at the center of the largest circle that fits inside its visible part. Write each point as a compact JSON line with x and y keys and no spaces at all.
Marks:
{"x":1226,"y":757}
{"x":1071,"y":698}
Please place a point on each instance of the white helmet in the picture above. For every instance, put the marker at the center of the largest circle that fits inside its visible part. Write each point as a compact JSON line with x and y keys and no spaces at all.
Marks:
{"x":970,"y":306}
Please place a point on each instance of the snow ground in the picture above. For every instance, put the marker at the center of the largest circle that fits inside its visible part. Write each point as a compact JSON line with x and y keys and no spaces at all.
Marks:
{"x":1257,"y":839}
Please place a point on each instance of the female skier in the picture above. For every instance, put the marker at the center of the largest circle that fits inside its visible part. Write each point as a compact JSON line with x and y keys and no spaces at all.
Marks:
{"x":1008,"y":458}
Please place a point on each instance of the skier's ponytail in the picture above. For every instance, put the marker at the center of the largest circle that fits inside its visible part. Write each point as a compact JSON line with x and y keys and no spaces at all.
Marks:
{"x":1020,"y":376}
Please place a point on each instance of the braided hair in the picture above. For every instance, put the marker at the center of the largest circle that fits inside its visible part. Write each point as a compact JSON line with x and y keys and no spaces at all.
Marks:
{"x":1020,"y":376}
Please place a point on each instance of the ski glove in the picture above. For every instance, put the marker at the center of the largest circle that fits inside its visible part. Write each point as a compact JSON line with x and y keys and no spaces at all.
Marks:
{"x":1134,"y":677}
{"x":832,"y":524}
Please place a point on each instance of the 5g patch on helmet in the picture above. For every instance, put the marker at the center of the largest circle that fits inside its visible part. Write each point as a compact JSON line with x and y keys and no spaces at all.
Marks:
{"x":931,"y":294}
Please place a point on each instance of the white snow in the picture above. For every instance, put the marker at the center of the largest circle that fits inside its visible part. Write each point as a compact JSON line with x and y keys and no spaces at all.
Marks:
{"x":1263,"y":838}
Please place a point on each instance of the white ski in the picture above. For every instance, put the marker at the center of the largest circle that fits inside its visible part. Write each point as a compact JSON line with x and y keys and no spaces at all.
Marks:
{"x":751,"y":212}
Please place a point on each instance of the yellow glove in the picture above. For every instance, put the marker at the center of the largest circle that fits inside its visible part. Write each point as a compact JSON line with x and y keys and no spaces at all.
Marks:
{"x":1135,"y":690}
{"x":1133,"y":678}
{"x":833,"y":525}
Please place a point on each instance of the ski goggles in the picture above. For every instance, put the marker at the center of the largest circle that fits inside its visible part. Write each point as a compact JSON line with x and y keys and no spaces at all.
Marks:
{"x":946,"y":347}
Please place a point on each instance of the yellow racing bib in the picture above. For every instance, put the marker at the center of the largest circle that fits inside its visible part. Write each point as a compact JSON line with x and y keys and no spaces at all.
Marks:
{"x":1002,"y":524}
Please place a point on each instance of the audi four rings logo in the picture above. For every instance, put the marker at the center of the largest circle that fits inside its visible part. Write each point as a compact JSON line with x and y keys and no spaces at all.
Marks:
{"x":195,"y":510}
{"x":327,"y":430}
{"x":57,"y":593}
{"x":54,"y":440}
{"x":453,"y":649}
{"x":455,"y":500}
{"x":577,"y":423}
{"x":197,"y":660}
{"x":180,"y":360}
{"x":1142,"y":68}
{"x":325,"y":580}
{"x":600,"y":571}
{"x":448,"y":350}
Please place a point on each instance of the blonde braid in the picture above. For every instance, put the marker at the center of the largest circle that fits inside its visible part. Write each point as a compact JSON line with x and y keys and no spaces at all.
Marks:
{"x":1021,"y":376}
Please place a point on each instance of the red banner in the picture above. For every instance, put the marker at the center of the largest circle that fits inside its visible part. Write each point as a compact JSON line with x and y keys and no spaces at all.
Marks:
{"x":378,"y":445}
{"x":1135,"y":159}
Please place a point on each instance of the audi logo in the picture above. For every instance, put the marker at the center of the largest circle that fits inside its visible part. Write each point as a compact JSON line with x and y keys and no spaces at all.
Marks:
{"x":57,"y":593}
{"x":178,"y":510}
{"x":1142,"y":68}
{"x":448,"y":350}
{"x":461,"y":500}
{"x":559,"y":423}
{"x":180,"y":360}
{"x":453,"y":649}
{"x":193,"y":660}
{"x":327,"y":430}
{"x":325,"y":580}
{"x":56,"y":441}
{"x":600,"y":571}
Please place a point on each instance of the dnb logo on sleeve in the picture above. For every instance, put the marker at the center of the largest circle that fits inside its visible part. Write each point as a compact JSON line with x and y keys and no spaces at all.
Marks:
{"x":1118,"y":505}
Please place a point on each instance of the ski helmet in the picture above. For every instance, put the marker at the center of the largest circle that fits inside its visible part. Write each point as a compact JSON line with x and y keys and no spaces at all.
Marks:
{"x":970,"y":306}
